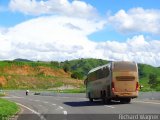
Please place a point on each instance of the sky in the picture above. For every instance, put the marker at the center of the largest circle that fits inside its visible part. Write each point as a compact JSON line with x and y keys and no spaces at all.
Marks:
{"x":59,"y":30}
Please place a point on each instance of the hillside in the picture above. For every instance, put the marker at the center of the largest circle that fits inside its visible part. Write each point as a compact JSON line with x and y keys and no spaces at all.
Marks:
{"x":82,"y":66}
{"x":146,"y":72}
{"x":47,"y":75}
{"x":34,"y":75}
{"x":149,"y":73}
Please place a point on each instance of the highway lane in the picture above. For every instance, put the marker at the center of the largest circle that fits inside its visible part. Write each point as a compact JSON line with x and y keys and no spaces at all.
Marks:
{"x":63,"y":107}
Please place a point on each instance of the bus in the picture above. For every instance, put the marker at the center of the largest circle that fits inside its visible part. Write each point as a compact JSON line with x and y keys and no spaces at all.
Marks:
{"x":113,"y":81}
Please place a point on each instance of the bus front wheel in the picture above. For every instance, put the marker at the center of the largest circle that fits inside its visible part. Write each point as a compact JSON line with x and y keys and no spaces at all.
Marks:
{"x":89,"y":96}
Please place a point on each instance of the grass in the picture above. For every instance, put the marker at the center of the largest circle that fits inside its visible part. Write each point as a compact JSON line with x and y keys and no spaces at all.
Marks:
{"x":2,"y":94}
{"x":32,"y":64}
{"x":7,"y":109}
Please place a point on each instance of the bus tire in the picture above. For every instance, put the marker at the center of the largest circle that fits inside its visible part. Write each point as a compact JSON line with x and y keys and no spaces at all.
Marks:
{"x":125,"y":100}
{"x":89,"y":96}
{"x":103,"y":97}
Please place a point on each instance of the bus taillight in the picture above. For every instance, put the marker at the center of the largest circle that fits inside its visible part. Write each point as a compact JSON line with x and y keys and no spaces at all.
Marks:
{"x":137,"y":86}
{"x":113,"y":89}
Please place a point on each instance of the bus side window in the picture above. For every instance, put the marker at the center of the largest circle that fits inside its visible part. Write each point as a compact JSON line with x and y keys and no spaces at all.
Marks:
{"x":106,"y":71}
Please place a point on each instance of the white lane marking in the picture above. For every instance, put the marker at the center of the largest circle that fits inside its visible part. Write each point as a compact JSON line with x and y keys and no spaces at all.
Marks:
{"x":31,"y":99}
{"x":45,"y":102}
{"x":147,"y":102}
{"x":37,"y":100}
{"x":56,"y":99}
{"x":65,"y":112}
{"x":40,"y":105}
{"x":54,"y":104}
{"x":64,"y":97}
{"x":60,"y":107}
{"x":109,"y":106}
{"x":33,"y":111}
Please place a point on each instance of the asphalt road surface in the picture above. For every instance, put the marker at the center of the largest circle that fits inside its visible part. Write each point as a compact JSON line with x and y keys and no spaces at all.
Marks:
{"x":77,"y":107}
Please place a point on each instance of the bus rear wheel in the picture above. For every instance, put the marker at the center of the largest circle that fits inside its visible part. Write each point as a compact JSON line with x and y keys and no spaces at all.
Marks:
{"x":125,"y":100}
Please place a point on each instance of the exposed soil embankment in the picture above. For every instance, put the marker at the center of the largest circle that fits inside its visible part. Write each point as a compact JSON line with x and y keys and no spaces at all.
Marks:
{"x":34,"y":76}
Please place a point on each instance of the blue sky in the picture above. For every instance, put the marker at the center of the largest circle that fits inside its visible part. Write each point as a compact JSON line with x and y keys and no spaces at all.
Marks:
{"x":10,"y":18}
{"x":109,"y":26}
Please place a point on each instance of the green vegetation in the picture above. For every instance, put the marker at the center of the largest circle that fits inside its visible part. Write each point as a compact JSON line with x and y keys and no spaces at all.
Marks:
{"x":149,"y":77}
{"x":25,"y":74}
{"x":2,"y":94}
{"x":29,"y":63}
{"x":7,"y":109}
{"x":34,"y":75}
{"x":81,"y":67}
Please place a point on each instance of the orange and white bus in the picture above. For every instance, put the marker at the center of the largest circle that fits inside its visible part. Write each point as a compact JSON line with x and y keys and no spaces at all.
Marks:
{"x":114,"y":81}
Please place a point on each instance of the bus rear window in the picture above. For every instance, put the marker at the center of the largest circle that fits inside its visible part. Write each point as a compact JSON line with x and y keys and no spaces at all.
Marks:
{"x":124,"y":66}
{"x":125,"y":78}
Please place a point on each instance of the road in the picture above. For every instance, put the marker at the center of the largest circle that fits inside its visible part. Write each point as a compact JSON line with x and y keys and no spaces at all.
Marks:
{"x":77,"y":107}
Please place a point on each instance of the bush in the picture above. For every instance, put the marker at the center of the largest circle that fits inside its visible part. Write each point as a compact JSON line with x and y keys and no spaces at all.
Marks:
{"x":77,"y":75}
{"x":153,"y":80}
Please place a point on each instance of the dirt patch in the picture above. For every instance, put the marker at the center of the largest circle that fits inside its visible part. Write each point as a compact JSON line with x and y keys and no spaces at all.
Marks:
{"x":19,"y":70}
{"x":2,"y":81}
{"x":52,"y":72}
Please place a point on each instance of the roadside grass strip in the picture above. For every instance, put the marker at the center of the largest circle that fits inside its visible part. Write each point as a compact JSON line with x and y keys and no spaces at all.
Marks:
{"x":7,"y":109}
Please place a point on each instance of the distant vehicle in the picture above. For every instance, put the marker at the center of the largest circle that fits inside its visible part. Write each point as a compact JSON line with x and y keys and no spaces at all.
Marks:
{"x":114,"y":81}
{"x":27,"y":92}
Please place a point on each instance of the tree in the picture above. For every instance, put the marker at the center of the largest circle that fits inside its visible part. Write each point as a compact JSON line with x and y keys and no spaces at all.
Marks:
{"x":153,"y":80}
{"x":77,"y":75}
{"x":141,"y":71}
{"x":55,"y":63}
{"x":66,"y":68}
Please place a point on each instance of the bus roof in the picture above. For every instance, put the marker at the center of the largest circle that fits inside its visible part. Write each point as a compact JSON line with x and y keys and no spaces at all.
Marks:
{"x":124,"y":65}
{"x":99,"y":67}
{"x":118,"y":65}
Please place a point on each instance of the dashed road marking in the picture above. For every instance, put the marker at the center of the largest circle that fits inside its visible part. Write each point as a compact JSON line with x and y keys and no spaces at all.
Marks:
{"x":65,"y":112}
{"x":109,"y":106}
{"x":56,"y":99}
{"x":61,"y":107}
{"x":45,"y":102}
{"x":54,"y":104}
{"x":40,"y":105}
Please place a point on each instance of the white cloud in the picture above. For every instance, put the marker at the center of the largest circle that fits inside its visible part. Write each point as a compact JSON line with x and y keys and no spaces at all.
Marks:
{"x":5,"y":47}
{"x":137,"y":20}
{"x":63,"y":7}
{"x":64,"y":34}
{"x":48,"y":38}
{"x":135,"y":49}
{"x":64,"y":38}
